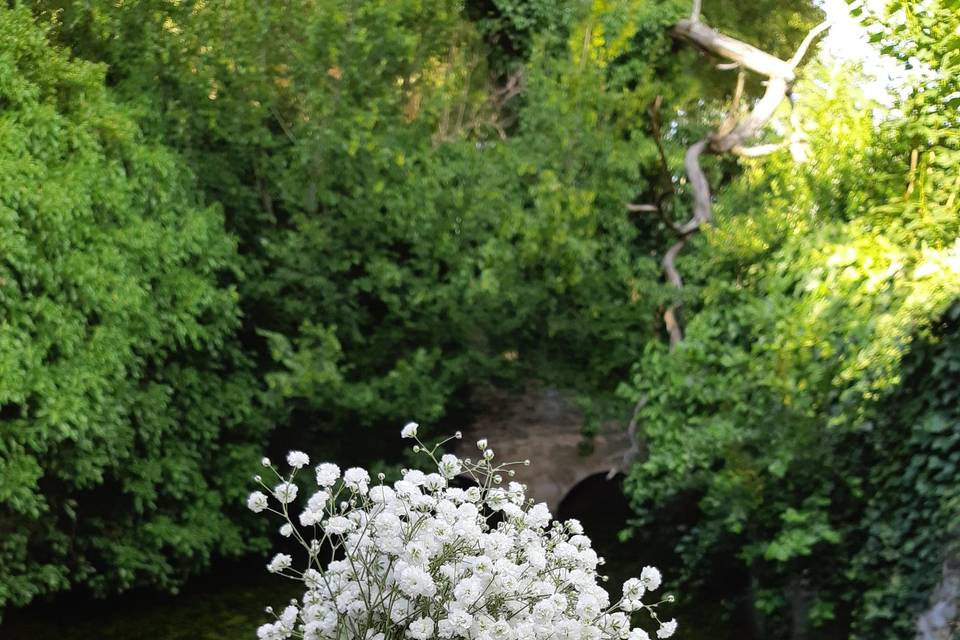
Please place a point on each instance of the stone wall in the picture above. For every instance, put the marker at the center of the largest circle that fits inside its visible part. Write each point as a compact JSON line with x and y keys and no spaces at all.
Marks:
{"x":544,"y":426}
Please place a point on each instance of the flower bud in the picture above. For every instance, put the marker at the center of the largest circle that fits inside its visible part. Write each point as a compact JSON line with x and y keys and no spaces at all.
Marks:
{"x":265,"y":462}
{"x":482,"y":444}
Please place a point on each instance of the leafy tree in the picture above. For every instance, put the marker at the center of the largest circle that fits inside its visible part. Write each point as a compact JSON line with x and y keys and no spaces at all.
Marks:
{"x":125,"y":404}
{"x":413,"y":224}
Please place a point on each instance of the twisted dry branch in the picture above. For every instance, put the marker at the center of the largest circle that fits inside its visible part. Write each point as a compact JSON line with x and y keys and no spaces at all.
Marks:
{"x":730,"y":137}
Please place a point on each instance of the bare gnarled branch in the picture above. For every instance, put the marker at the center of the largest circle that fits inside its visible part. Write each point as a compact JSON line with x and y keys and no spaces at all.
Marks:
{"x":807,"y":41}
{"x":732,"y":135}
{"x":746,"y":55}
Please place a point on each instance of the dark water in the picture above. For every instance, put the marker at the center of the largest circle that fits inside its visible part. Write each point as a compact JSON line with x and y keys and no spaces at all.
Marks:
{"x":229,"y":603}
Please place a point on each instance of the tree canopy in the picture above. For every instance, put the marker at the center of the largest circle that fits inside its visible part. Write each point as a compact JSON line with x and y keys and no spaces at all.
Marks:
{"x":126,"y":398}
{"x":228,"y":223}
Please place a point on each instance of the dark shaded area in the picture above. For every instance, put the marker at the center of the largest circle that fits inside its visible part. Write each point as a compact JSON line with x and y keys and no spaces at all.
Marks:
{"x":227,"y":603}
{"x":721,"y":611}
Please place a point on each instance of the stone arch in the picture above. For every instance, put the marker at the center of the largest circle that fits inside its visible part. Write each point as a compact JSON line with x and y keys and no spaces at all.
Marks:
{"x":543,"y":426}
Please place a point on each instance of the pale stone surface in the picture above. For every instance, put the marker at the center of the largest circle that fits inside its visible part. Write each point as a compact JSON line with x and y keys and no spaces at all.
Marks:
{"x":942,"y":620}
{"x":545,"y":427}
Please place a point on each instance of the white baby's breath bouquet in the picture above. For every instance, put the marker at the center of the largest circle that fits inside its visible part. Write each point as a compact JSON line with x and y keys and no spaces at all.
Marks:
{"x":421,"y":559}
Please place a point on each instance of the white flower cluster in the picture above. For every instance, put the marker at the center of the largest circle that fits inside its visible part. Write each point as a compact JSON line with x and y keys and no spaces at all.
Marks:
{"x":424,"y":560}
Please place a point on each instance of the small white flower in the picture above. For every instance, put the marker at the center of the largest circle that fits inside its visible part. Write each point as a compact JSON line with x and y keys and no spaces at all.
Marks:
{"x":272,"y":631}
{"x":338,"y":525}
{"x":318,"y":501}
{"x":434,"y":482}
{"x":539,"y":515}
{"x":285,"y":492}
{"x":414,"y":582}
{"x":501,"y":630}
{"x":313,"y":579}
{"x":421,"y":628}
{"x":482,"y":444}
{"x":666,"y":629}
{"x":327,"y":474}
{"x":631,"y":604}
{"x":298,"y":459}
{"x":415,"y":477}
{"x":651,"y":578}
{"x":357,"y":479}
{"x":309,"y":517}
{"x":382,"y":494}
{"x":450,"y":466}
{"x":289,"y":616}
{"x":633,"y":589}
{"x":496,"y":499}
{"x":280,"y":562}
{"x":409,"y":430}
{"x":265,"y":462}
{"x":257,"y":501}
{"x":420,"y":546}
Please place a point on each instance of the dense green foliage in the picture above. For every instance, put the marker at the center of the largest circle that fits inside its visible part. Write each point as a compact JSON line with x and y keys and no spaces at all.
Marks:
{"x":409,"y":231}
{"x":404,"y":232}
{"x":330,"y":217}
{"x":126,"y":403}
{"x":811,"y":412}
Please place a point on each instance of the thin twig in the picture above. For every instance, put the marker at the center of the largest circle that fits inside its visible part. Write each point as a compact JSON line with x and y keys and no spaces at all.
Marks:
{"x":732,"y":134}
{"x":642,"y":208}
{"x":665,"y":172}
{"x":671,"y":315}
{"x":758,"y":150}
{"x":635,"y":446}
{"x":695,"y":11}
{"x":807,"y":41}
